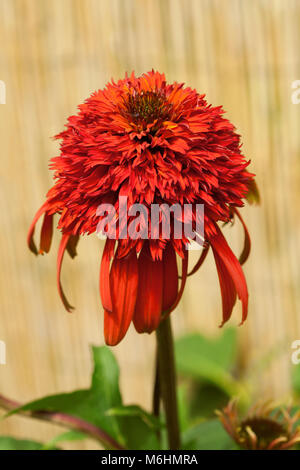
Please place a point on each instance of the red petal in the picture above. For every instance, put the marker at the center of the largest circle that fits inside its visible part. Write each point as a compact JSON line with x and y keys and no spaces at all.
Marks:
{"x":227,"y":286}
{"x":123,"y":287}
{"x":185,"y":262}
{"x":30,"y":234}
{"x":104,"y":283}
{"x":233,"y":267}
{"x":170,"y":282}
{"x":46,"y":233}
{"x":247,"y":242}
{"x":60,"y":255}
{"x":148,"y":307}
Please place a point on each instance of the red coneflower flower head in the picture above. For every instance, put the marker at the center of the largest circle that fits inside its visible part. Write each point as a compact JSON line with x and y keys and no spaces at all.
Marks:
{"x":151,"y":143}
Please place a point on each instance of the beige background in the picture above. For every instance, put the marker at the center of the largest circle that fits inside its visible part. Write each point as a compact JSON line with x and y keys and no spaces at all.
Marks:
{"x":53,"y":53}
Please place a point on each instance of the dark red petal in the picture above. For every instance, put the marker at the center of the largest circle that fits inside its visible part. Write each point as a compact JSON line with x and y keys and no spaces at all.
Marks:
{"x":148,"y":307}
{"x":46,"y":233}
{"x":185,"y":262}
{"x":30,"y":234}
{"x":104,"y":284}
{"x":233,"y":267}
{"x":170,"y":281}
{"x":60,"y":255}
{"x":72,"y":245}
{"x":227,"y":286}
{"x":123,"y":287}
{"x":247,"y":242}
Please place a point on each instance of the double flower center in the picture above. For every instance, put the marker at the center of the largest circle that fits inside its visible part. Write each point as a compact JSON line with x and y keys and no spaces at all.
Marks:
{"x":146,"y":107}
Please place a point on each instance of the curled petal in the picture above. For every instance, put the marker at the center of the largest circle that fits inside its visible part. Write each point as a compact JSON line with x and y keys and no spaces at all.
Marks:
{"x":170,"y":277}
{"x":184,"y":272}
{"x":30,"y":234}
{"x":247,"y":241}
{"x":60,"y":255}
{"x":200,"y":260}
{"x":148,"y":307}
{"x":46,"y":233}
{"x":72,"y":245}
{"x":278,"y":443}
{"x":233,"y":269}
{"x":123,"y":287}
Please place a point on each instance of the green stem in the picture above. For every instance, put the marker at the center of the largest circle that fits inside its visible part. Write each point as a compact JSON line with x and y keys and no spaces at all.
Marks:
{"x":156,"y":395}
{"x":167,"y":380}
{"x":156,"y":390}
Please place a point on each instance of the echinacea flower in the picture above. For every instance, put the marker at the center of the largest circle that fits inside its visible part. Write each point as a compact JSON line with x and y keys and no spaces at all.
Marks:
{"x":153,"y":143}
{"x":264,"y":427}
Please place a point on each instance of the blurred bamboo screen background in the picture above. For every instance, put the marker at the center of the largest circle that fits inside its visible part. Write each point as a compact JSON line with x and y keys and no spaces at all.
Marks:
{"x":244,"y":55}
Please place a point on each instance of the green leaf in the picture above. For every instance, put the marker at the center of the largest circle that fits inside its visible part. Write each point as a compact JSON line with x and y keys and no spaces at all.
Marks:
{"x":253,"y":196}
{"x":139,"y":427}
{"x":208,"y":435}
{"x":221,"y":350}
{"x":205,"y":398}
{"x":10,"y":443}
{"x":90,"y":405}
{"x":64,"y":437}
{"x":209,"y":359}
{"x":101,"y":405}
{"x":135,"y":410}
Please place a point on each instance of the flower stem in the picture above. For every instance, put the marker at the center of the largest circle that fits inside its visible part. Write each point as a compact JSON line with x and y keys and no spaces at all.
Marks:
{"x":167,"y":380}
{"x":156,"y":395}
{"x":156,"y":390}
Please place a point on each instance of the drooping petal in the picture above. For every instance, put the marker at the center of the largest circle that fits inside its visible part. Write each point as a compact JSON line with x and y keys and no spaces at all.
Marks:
{"x":227,"y":286}
{"x":104,"y":282}
{"x":46,"y":233}
{"x":72,"y":245}
{"x":123,"y":287}
{"x":148,"y":307}
{"x":170,"y":274}
{"x":60,"y":255}
{"x":247,"y":241}
{"x":200,"y":260}
{"x":30,"y":241}
{"x":233,"y":267}
{"x":184,"y":271}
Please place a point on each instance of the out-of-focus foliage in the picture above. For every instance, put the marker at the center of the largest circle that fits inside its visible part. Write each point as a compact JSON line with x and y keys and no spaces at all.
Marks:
{"x":208,"y":379}
{"x":10,"y":443}
{"x":296,"y":380}
{"x":208,"y":369}
{"x":207,"y":435}
{"x":101,"y":405}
